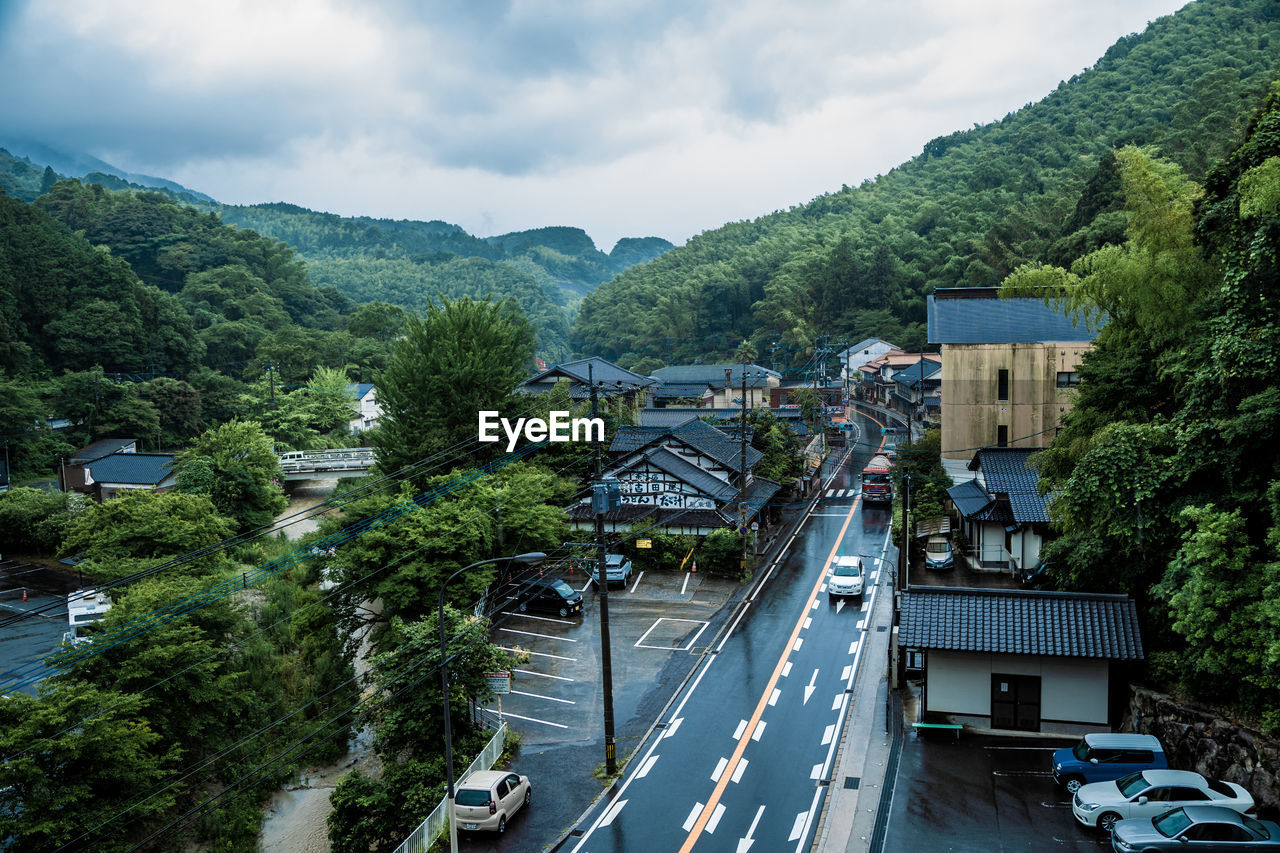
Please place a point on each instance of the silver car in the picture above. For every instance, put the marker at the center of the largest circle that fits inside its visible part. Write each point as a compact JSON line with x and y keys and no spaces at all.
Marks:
{"x":488,"y":798}
{"x":846,"y":578}
{"x":1148,"y":793}
{"x":1190,"y":828}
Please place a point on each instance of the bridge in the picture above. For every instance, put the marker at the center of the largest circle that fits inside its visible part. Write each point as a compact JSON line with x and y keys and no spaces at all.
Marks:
{"x":317,"y":464}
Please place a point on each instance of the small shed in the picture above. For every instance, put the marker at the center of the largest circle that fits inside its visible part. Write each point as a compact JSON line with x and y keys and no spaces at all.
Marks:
{"x":1030,"y":660}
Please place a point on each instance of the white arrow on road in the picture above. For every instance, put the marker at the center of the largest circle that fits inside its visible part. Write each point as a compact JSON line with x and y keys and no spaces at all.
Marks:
{"x":744,"y":843}
{"x":808,"y":691}
{"x":840,"y":604}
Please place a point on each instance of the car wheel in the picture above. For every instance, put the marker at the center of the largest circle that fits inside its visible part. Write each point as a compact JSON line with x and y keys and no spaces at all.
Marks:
{"x":502,"y":824}
{"x":1107,"y":822}
{"x":1073,"y":784}
{"x":564,"y":611}
{"x":524,"y":606}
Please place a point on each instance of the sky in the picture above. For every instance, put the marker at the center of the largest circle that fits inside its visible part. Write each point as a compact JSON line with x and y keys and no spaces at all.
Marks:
{"x":665,"y":118}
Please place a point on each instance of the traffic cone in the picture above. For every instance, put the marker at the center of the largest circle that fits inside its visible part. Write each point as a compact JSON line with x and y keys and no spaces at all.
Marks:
{"x":24,"y":594}
{"x":695,"y":565}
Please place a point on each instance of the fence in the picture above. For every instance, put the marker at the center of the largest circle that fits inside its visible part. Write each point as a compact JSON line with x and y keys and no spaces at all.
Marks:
{"x":438,"y":821}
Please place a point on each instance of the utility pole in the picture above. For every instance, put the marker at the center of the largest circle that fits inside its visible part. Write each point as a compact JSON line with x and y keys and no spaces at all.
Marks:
{"x":271,"y":372}
{"x":903,"y":569}
{"x":599,"y":500}
{"x":742,"y":473}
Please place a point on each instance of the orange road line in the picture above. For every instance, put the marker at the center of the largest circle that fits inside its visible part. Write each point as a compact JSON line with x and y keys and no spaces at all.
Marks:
{"x":727,"y":774}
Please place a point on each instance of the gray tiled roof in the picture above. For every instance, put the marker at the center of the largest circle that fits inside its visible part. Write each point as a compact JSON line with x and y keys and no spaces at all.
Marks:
{"x":1005,"y":471}
{"x":713,"y":374}
{"x":979,"y":316}
{"x":969,"y":498}
{"x":1029,"y":622}
{"x":102,"y":447}
{"x":910,"y":376}
{"x":697,"y":434}
{"x":632,"y":513}
{"x":137,"y":468}
{"x":615,"y":379}
{"x":680,"y":389}
{"x":687,"y":472}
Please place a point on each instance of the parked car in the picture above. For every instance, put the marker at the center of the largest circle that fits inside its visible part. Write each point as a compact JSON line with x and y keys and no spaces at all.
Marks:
{"x":488,"y":798}
{"x":1149,"y":793}
{"x":550,"y":595}
{"x":1189,"y":828}
{"x":1101,"y":756}
{"x":846,"y":578}
{"x":617,"y":570}
{"x":937,"y":553}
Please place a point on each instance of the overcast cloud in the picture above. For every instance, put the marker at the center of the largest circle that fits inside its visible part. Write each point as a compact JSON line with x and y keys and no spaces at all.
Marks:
{"x":665,"y":118}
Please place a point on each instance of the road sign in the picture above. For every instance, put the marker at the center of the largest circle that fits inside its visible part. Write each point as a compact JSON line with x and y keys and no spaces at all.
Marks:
{"x":499,"y":682}
{"x":644,"y":543}
{"x":755,"y":525}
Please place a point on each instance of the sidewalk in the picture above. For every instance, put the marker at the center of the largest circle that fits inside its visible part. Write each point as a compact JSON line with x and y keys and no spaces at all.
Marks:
{"x":849,"y":818}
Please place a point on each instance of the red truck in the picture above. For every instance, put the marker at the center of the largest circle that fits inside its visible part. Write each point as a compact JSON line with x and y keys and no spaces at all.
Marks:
{"x":877,"y":480}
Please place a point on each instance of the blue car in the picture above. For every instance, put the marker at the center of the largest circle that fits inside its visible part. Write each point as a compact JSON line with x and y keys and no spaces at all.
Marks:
{"x":1102,"y":756}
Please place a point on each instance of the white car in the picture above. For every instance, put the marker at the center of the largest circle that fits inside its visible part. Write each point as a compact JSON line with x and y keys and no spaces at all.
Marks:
{"x":1148,"y":793}
{"x":488,"y":798}
{"x":847,"y":578}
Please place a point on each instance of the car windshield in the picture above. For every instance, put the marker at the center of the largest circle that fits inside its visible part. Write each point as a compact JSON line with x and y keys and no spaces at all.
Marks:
{"x":937,"y":547}
{"x":562,"y":588}
{"x":1132,"y":784}
{"x":1171,"y":823}
{"x":843,"y":571}
{"x":1081,"y":751}
{"x":472,"y":797}
{"x":875,"y":479}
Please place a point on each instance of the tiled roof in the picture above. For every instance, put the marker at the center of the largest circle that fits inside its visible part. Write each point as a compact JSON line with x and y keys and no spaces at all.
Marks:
{"x":863,"y":346}
{"x":1005,"y":472}
{"x":685,"y":471}
{"x":979,"y":316}
{"x":760,"y":493}
{"x":1028,"y":622}
{"x":697,"y":434}
{"x":680,"y":389}
{"x":102,"y":447}
{"x":969,"y":498}
{"x":360,"y":389}
{"x":138,"y":468}
{"x":631,"y":513}
{"x":713,"y":374}
{"x":615,"y":379}
{"x":910,"y":376}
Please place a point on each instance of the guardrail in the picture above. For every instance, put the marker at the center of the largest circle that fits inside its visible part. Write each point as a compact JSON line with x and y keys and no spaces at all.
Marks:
{"x":438,"y":821}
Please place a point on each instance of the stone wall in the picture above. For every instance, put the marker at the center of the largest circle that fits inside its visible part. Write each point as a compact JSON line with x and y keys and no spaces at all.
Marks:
{"x":1200,"y":740}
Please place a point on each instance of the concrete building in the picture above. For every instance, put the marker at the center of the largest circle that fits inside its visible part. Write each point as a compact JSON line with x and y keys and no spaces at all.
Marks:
{"x":1020,"y":659}
{"x":714,"y":386}
{"x":859,"y":354}
{"x":1008,"y":369}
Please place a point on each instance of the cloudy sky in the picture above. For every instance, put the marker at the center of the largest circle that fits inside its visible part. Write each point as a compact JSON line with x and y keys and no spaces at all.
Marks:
{"x":663,"y":118}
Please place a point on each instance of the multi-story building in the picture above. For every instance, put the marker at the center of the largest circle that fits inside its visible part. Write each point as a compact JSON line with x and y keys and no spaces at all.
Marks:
{"x":1008,"y":369}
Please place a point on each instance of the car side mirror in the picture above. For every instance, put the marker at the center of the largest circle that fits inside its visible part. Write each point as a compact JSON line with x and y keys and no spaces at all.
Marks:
{"x":1093,"y":761}
{"x":1142,"y":801}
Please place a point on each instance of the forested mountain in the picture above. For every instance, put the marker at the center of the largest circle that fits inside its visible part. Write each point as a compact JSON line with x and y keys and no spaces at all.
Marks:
{"x":967,"y":211}
{"x":401,"y":261}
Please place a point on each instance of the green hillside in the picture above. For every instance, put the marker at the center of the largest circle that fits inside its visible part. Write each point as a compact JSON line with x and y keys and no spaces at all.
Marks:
{"x":967,"y":211}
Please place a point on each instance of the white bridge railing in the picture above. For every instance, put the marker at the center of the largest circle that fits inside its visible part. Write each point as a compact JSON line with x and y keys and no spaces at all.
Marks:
{"x":438,"y":821}
{"x":344,"y":459}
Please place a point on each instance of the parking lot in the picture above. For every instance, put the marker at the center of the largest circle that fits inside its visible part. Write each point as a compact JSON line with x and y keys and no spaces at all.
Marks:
{"x":556,"y":697}
{"x":982,"y":793}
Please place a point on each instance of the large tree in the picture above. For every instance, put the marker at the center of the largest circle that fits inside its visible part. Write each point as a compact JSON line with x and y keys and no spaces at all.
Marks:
{"x":460,"y":357}
{"x":235,"y":466}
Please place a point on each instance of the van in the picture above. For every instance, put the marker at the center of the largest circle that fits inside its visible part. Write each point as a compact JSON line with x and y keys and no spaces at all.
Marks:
{"x":1102,"y":756}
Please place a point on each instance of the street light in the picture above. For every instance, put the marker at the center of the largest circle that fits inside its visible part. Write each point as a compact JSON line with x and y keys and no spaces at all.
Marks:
{"x":530,"y":559}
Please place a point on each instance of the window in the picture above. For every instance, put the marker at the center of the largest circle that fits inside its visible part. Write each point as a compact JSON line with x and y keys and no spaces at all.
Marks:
{"x":1068,"y":379}
{"x":1002,"y":385}
{"x":1002,"y":436}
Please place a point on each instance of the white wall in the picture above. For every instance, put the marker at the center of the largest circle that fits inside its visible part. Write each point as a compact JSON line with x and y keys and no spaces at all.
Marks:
{"x":1071,"y":689}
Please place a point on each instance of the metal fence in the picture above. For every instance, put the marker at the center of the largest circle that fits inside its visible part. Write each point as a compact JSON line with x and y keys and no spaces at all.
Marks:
{"x":438,"y":821}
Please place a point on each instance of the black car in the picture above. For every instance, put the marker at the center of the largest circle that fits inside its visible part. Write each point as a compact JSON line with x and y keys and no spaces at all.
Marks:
{"x":550,"y":595}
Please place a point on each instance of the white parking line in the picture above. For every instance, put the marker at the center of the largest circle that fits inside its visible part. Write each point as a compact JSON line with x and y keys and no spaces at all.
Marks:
{"x":548,"y":698}
{"x":538,"y":618}
{"x":637,"y":583}
{"x":536,"y":654}
{"x":544,"y":675}
{"x":532,"y":634}
{"x":533,"y":720}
